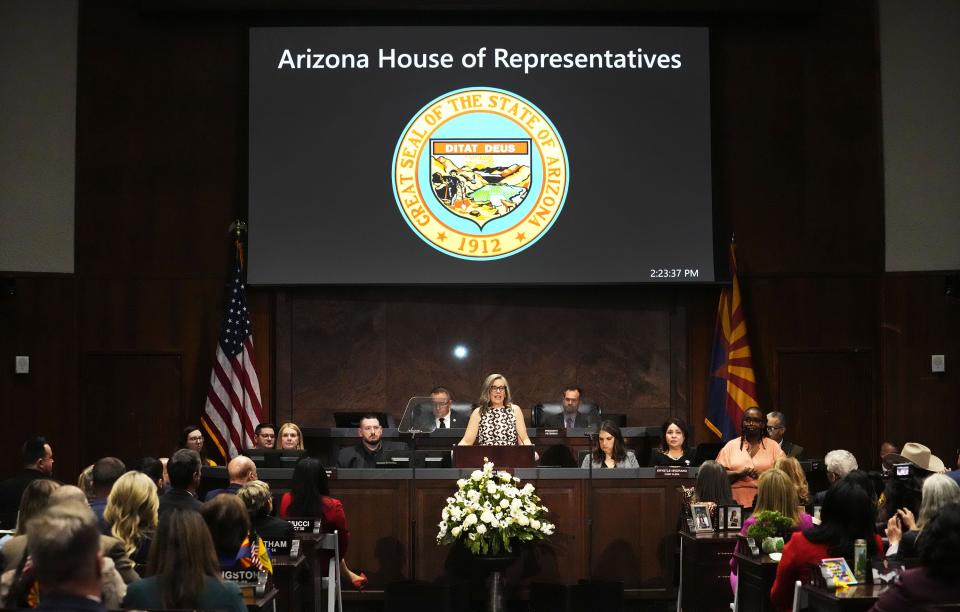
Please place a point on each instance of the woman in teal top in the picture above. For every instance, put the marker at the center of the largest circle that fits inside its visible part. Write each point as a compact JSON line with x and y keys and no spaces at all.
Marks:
{"x":183,"y":569}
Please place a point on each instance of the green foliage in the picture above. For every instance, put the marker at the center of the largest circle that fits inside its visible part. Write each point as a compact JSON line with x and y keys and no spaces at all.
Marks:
{"x":770,"y":524}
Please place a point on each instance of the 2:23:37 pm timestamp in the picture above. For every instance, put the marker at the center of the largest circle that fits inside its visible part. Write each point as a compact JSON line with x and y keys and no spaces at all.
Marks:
{"x":674,"y":272}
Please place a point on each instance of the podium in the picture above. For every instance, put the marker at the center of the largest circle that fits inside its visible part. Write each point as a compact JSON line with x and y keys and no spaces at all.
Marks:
{"x":501,"y":456}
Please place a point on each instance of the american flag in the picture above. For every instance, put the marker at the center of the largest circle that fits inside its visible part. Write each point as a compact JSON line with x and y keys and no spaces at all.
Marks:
{"x":233,"y":409}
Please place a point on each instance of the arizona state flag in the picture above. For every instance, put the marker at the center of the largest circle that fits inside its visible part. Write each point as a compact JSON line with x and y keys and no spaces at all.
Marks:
{"x":732,"y":382}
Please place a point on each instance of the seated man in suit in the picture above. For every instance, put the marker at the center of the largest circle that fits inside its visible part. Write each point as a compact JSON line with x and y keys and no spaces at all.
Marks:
{"x":241,"y":470}
{"x":184,"y":470}
{"x":440,"y":417}
{"x":37,"y":463}
{"x":370,"y":449}
{"x":776,"y":428}
{"x":266,"y":435}
{"x":570,"y":417}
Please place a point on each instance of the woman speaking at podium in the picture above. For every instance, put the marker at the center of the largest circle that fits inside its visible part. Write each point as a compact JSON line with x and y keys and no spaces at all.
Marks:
{"x":496,"y":421}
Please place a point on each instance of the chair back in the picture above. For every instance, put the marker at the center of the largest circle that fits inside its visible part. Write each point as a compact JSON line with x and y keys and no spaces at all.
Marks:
{"x":331,"y":581}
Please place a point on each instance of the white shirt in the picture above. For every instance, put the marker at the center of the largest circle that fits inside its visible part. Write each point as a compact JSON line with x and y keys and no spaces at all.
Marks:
{"x":445,"y":420}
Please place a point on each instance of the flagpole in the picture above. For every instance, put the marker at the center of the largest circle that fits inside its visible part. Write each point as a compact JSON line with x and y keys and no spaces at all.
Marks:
{"x":238,"y":228}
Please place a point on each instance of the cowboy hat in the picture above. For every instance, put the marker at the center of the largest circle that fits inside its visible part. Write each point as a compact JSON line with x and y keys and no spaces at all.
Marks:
{"x":916,"y":454}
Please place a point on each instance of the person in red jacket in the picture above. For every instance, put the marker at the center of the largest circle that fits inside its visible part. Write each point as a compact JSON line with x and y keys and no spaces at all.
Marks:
{"x":847,"y":515}
{"x":309,"y":496}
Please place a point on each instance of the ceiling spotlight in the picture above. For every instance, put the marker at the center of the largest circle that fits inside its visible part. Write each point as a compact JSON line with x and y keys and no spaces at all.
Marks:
{"x":460,"y":351}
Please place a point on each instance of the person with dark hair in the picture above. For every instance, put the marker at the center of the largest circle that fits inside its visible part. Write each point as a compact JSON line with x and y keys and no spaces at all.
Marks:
{"x":256,"y":495}
{"x":749,"y":456}
{"x":571,"y":416}
{"x":935,"y":581}
{"x":64,"y":545}
{"x":153,"y":467}
{"x":105,"y":472}
{"x":776,"y":429}
{"x":673,"y":445}
{"x":440,"y":417}
{"x":906,"y":492}
{"x":265,"y":435}
{"x":713,"y":485}
{"x":37,"y":461}
{"x":371,"y":447}
{"x":237,"y":548}
{"x":184,"y":470}
{"x":183,"y":570}
{"x":191,"y":437}
{"x":846,"y":516}
{"x":309,"y":496}
{"x":610,"y":451}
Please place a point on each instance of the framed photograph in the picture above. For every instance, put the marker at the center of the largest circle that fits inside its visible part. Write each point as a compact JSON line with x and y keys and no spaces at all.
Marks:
{"x":701,"y":517}
{"x":734,"y":518}
{"x":721,"y":522}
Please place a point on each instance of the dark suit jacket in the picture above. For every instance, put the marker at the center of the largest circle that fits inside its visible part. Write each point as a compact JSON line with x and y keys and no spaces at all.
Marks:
{"x":177,"y":498}
{"x":231,"y":490}
{"x":11,"y":490}
{"x":427,"y":422}
{"x":71,"y":603}
{"x":357,"y":456}
{"x":556,"y":420}
{"x":791,"y":449}
{"x":110,"y":546}
{"x":271,"y":528}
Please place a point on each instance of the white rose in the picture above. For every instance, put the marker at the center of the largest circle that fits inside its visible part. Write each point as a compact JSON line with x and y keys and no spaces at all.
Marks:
{"x":522,"y":520}
{"x":477,"y":475}
{"x":487,"y":516}
{"x":470,"y":520}
{"x":527,"y":489}
{"x":504,"y":503}
{"x":495,"y":524}
{"x":547,"y":528}
{"x":462,"y":483}
{"x":481,"y":529}
{"x":491,"y":488}
{"x":456,"y":531}
{"x":505,"y":477}
{"x":535,"y":524}
{"x":516,"y":504}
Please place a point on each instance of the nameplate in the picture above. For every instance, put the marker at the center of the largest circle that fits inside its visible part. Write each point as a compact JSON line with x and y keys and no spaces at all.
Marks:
{"x":283,"y":546}
{"x":670,"y":471}
{"x":305,"y":525}
{"x":246,"y":575}
{"x":552,"y":432}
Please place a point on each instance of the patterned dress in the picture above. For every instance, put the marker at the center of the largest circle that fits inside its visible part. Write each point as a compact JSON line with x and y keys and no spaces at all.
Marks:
{"x":498,"y":427}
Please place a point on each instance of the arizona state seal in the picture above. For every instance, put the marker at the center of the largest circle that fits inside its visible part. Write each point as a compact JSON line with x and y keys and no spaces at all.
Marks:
{"x":480,"y":173}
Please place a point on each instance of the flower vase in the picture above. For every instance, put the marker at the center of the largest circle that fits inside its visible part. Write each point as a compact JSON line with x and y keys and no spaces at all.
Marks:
{"x":494,"y":565}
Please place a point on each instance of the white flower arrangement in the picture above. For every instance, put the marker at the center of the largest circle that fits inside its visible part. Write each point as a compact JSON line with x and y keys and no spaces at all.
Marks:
{"x":489,"y":512}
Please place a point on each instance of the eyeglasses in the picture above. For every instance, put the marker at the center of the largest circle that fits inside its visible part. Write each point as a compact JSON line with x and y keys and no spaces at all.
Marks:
{"x":775,"y":428}
{"x":500,"y":388}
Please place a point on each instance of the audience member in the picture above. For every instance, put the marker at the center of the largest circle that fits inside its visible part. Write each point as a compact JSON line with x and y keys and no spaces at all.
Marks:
{"x":935,"y":581}
{"x":184,"y":470}
{"x":846,"y":516}
{"x":64,"y":552}
{"x":776,"y":429}
{"x":609,"y":451}
{"x":939,"y":491}
{"x":85,"y":481}
{"x":887,"y":448}
{"x":309,"y":496}
{"x":673,"y":448}
{"x":291,"y":438}
{"x":229,"y":524}
{"x":105,"y":472}
{"x":132,"y":514}
{"x":35,"y":499}
{"x":905,"y":491}
{"x":837,"y":463}
{"x":371,"y":447}
{"x":183,"y":570}
{"x":265,"y":435}
{"x":713,"y":485}
{"x":794,"y":470}
{"x":191,"y":437}
{"x":570,"y":417}
{"x":154,"y":468}
{"x":748,"y":456}
{"x":37,"y":461}
{"x":777,"y":492}
{"x":440,"y":417}
{"x":240,"y":470}
{"x":256,"y":496}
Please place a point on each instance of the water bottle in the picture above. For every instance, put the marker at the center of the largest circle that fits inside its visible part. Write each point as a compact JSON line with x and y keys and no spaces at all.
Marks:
{"x":860,"y":560}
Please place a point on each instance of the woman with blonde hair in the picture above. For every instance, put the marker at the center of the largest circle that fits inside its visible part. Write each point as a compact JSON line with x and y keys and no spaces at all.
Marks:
{"x":496,"y":421}
{"x":131,"y":513}
{"x":775,"y":492}
{"x":792,"y":467}
{"x":290,"y":437}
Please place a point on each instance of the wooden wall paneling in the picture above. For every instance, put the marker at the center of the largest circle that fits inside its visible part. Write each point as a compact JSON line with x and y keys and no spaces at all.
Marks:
{"x":919,"y":320}
{"x":130,"y":405}
{"x":431,"y":497}
{"x":564,"y":558}
{"x":379,"y":536}
{"x":40,"y":321}
{"x":679,"y":376}
{"x":829,"y":399}
{"x":283,"y":358}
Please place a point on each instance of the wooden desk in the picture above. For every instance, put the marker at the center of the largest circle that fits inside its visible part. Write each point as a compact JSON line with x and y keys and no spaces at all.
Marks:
{"x":755,"y":577}
{"x":852,"y":599}
{"x":290,"y":574}
{"x":259,"y":603}
{"x":705,"y":571}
